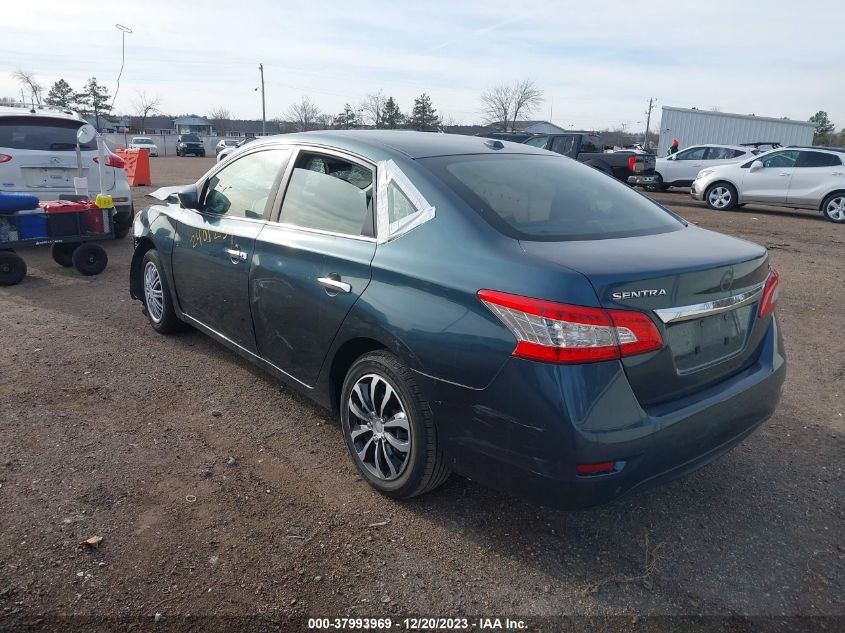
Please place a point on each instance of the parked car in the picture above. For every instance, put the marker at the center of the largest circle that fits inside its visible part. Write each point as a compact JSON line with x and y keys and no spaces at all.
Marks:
{"x":189,"y":144}
{"x":797,"y":177}
{"x":225,"y":153}
{"x":143,"y":142}
{"x":224,"y":143}
{"x":470,"y":305}
{"x":38,"y":156}
{"x":679,"y":170}
{"x":635,"y":167}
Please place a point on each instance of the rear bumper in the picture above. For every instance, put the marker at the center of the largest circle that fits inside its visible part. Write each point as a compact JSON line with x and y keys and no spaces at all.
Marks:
{"x":526,"y":432}
{"x":642,"y":180}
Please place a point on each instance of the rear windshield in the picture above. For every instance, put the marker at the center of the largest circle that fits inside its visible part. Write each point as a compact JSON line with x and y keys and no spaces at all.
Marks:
{"x":41,"y":134}
{"x":550,"y":198}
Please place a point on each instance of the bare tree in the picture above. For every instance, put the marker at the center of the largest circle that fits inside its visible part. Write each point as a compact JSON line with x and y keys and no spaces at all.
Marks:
{"x":496,"y":105}
{"x":28,"y":81}
{"x":144,"y":107}
{"x":502,"y":105}
{"x":324,"y":122}
{"x":527,"y":97}
{"x":221,"y":119}
{"x":373,"y":107}
{"x":303,"y":114}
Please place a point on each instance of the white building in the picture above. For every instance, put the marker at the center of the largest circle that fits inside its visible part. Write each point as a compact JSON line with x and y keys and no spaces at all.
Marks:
{"x":692,"y":127}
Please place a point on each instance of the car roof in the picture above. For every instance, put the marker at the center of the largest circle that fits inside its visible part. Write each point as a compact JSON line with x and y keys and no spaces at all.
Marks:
{"x":379,"y":144}
{"x":41,"y":111}
{"x":823,"y":148}
{"x":728,"y":145}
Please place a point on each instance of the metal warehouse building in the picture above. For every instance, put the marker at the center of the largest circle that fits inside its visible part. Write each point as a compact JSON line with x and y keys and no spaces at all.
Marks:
{"x":692,"y":126}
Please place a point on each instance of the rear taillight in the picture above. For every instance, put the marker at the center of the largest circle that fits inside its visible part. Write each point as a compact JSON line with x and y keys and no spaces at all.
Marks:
{"x":769,"y":301}
{"x":5,"y":158}
{"x":112,"y":160}
{"x":561,"y":333}
{"x":632,"y":161}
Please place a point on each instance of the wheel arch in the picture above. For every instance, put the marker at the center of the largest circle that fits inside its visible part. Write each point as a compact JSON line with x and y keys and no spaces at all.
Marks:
{"x":840,"y":191}
{"x":343,"y":358}
{"x":136,"y":290}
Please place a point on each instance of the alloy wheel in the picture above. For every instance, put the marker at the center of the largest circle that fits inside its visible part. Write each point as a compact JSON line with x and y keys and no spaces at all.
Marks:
{"x":835,"y":209}
{"x":719,"y":197}
{"x":379,"y":428}
{"x":153,"y":293}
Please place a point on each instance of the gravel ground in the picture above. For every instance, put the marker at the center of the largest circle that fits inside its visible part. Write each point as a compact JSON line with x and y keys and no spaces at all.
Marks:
{"x":219,"y":492}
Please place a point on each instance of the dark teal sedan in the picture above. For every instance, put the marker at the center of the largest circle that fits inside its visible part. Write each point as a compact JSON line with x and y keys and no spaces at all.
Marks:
{"x":472,"y":305}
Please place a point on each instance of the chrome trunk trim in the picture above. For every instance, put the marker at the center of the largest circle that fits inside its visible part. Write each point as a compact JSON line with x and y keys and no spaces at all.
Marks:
{"x":708,"y":308}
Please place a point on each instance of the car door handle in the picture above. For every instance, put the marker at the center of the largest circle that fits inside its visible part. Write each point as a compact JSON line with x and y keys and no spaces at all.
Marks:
{"x":836,"y":173}
{"x":236,"y":255}
{"x":335,"y":285}
{"x":782,"y":174}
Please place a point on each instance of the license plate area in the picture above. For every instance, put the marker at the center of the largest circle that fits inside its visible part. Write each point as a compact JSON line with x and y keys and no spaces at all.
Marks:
{"x":704,"y":342}
{"x":49,"y":177}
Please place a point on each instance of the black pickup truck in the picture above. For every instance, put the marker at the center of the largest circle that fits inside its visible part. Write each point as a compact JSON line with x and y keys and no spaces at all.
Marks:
{"x":632,"y":166}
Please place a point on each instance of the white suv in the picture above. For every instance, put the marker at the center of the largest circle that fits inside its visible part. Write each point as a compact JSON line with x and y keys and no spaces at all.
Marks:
{"x":679,"y":170}
{"x":143,"y":142}
{"x":797,"y":177}
{"x":38,"y":156}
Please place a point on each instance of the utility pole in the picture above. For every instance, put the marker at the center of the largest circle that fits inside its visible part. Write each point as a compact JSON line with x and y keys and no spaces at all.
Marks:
{"x":263,"y":109}
{"x":648,"y":121}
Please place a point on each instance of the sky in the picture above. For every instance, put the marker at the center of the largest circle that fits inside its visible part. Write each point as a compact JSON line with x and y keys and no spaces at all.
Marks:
{"x":597,"y":63}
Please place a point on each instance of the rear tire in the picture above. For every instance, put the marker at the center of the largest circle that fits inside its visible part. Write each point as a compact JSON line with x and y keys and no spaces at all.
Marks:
{"x":657,"y":185}
{"x":12,"y":268}
{"x":63,"y":253}
{"x":721,"y":196}
{"x":833,"y":208}
{"x":90,"y":259}
{"x":389,"y":428}
{"x":158,"y":304}
{"x":121,"y":230}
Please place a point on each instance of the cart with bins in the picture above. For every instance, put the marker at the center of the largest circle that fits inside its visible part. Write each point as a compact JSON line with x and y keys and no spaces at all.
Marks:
{"x":71,"y":227}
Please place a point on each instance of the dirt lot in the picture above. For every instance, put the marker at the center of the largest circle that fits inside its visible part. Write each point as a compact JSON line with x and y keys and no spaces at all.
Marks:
{"x":109,"y":429}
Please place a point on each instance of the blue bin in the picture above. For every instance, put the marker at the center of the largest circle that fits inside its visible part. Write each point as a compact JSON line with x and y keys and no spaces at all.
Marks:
{"x":31,"y":226}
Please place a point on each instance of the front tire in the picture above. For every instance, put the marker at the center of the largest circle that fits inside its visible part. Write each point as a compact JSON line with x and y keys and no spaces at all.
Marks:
{"x":158,"y":305}
{"x":721,"y":196}
{"x":90,"y":259}
{"x":12,"y":268}
{"x":389,"y":429}
{"x":833,"y":208}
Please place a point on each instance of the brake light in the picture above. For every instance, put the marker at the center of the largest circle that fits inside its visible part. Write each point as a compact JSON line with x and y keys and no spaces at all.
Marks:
{"x":769,"y":301}
{"x":5,"y":158}
{"x":561,"y":333}
{"x":112,"y":160}
{"x":632,"y":160}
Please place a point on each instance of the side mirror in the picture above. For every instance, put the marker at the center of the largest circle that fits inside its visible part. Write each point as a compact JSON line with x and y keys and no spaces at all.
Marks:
{"x":757,"y":165}
{"x":189,"y":197}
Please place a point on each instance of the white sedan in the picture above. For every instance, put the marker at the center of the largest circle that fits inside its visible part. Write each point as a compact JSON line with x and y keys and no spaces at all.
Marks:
{"x":797,"y":177}
{"x":143,"y":142}
{"x":679,"y":170}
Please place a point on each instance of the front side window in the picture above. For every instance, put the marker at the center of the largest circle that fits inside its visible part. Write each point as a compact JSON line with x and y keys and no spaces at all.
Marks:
{"x":695,"y":153}
{"x":329,"y":194}
{"x":817,"y":159}
{"x":785,"y":158}
{"x":547,"y":198}
{"x":591,"y":145}
{"x":563,"y":144}
{"x":538,"y":141}
{"x":241,"y":189}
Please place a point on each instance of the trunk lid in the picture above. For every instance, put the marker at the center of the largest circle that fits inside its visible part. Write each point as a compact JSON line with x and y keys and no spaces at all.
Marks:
{"x":678,"y":278}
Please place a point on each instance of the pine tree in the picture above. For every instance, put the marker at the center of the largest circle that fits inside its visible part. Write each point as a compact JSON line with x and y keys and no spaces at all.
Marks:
{"x":94,"y":99}
{"x":392,"y":116}
{"x":61,"y":95}
{"x":346,"y":119}
{"x":824,"y":128}
{"x":424,"y":116}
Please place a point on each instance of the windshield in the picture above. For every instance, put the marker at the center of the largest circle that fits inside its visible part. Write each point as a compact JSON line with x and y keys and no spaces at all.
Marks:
{"x":550,"y":198}
{"x":190,"y":137}
{"x":141,"y":140}
{"x":41,"y":134}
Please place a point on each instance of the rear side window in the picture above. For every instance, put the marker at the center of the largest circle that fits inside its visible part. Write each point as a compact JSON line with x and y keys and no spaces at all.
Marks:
{"x":548,"y":198}
{"x":329,"y":194}
{"x":591,"y":145}
{"x":723,"y":153}
{"x":817,"y":159}
{"x":241,"y":189}
{"x":41,"y":134}
{"x":563,"y":144}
